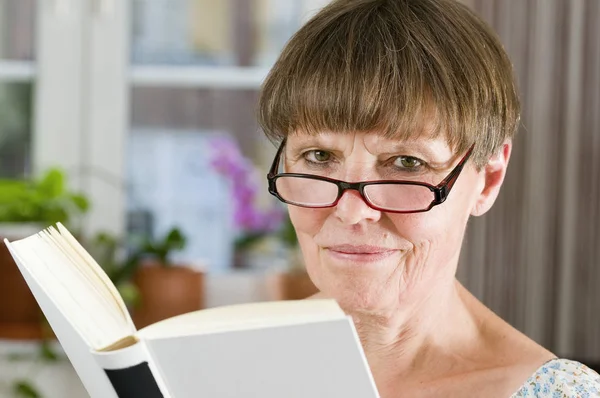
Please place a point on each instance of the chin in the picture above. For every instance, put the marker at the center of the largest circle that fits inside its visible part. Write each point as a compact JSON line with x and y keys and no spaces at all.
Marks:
{"x":359,"y":294}
{"x":370,"y":286}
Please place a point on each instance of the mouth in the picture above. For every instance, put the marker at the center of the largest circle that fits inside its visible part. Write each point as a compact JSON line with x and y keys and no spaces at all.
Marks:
{"x":360,"y":253}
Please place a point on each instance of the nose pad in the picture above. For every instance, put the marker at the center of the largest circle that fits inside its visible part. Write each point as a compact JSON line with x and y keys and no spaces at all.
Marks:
{"x":352,"y":208}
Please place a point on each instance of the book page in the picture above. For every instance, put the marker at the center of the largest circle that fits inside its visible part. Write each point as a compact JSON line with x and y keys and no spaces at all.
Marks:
{"x":245,"y":316}
{"x":79,"y":269}
{"x":96,"y":272}
{"x":82,"y":298}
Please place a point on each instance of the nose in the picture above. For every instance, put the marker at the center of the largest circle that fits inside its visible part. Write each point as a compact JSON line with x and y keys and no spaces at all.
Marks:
{"x":352,"y":209}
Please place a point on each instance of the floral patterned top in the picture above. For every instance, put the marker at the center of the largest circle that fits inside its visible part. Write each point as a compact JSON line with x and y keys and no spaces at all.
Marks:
{"x":561,"y":378}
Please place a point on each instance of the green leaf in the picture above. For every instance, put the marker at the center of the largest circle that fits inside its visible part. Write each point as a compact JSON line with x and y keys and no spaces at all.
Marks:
{"x":52,"y":184}
{"x":47,"y":352}
{"x":44,"y":200}
{"x":14,"y":357}
{"x":160,"y":249}
{"x":175,"y":239}
{"x":11,"y":190}
{"x":25,"y":389}
{"x":81,"y":202}
{"x":124,"y":273}
{"x":130,"y":293}
{"x":53,"y":214}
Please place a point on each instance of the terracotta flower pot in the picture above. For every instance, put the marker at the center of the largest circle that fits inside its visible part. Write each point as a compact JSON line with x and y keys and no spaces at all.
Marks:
{"x":20,"y":316}
{"x":166,"y":292}
{"x":294,"y":285}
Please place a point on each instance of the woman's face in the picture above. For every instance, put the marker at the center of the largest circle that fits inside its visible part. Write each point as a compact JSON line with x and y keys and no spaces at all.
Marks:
{"x":370,"y":260}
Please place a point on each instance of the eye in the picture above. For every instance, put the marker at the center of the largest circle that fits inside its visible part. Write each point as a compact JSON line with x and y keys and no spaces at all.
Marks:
{"x":408,"y":162}
{"x":317,"y":156}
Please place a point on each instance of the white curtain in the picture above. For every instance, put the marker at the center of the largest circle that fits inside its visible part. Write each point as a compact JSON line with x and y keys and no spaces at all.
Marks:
{"x":535,"y":258}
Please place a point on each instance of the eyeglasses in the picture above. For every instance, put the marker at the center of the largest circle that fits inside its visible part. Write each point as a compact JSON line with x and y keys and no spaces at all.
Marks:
{"x":394,"y":196}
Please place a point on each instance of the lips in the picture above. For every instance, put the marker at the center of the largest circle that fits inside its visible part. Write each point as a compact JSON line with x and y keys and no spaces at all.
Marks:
{"x":359,"y":249}
{"x":345,"y":255}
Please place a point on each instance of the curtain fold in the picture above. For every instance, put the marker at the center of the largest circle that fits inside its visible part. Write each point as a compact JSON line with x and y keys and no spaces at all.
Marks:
{"x":535,"y":257}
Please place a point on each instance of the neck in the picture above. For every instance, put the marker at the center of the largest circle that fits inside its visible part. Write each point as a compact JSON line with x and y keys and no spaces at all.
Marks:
{"x":408,"y":344}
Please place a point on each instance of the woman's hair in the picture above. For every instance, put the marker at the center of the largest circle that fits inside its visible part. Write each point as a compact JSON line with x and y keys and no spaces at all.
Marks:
{"x":402,"y":68}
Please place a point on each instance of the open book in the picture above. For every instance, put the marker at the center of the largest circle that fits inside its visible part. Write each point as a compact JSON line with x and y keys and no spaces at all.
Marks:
{"x":292,"y":349}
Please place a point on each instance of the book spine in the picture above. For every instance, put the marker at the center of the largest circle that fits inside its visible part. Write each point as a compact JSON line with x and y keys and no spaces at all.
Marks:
{"x":132,"y":372}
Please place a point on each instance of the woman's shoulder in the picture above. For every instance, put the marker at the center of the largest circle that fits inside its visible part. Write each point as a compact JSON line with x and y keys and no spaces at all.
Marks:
{"x":561,"y":378}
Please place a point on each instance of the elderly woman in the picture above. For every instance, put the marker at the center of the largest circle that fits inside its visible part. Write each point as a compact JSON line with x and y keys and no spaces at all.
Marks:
{"x":395,"y":120}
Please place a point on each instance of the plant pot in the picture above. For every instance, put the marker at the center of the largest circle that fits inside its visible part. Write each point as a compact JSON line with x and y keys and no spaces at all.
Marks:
{"x":292,"y":285}
{"x":166,"y":292}
{"x":20,"y":316}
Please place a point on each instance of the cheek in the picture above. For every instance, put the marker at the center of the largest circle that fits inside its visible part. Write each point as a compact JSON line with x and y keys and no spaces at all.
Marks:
{"x":422,"y":227}
{"x":447,"y":218}
{"x":440,"y":230}
{"x":307,"y":222}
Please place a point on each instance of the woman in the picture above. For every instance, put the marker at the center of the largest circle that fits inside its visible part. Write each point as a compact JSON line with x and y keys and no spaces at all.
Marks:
{"x":395,"y":120}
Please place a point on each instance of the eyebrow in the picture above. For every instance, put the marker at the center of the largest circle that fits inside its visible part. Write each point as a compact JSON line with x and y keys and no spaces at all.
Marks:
{"x":420,"y":148}
{"x":301,"y":143}
{"x":414,"y":148}
{"x":317,"y":140}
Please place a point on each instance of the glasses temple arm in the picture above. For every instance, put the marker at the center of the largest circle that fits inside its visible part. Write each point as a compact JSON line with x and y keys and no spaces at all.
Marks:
{"x":446,"y":185}
{"x":275,"y":165}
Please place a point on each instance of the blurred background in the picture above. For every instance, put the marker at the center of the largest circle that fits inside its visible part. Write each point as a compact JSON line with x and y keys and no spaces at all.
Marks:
{"x":132,"y":122}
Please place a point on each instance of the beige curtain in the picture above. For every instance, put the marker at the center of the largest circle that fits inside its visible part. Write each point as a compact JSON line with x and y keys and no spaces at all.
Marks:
{"x":535,"y":258}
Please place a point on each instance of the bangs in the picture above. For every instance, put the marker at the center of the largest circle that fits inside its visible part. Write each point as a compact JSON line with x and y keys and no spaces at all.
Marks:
{"x":388,"y":67}
{"x":354,"y":81}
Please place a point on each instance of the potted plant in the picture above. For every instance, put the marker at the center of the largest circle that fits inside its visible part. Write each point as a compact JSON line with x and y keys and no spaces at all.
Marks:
{"x":293,"y":282}
{"x":262,"y":234}
{"x":165,"y":288}
{"x":27,"y":206}
{"x":253,"y":225}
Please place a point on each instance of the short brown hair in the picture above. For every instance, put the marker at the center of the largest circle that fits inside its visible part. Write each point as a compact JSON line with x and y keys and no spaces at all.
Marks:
{"x":388,"y":66}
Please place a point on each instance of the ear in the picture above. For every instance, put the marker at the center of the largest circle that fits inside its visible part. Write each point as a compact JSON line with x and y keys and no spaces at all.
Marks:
{"x":492,"y":176}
